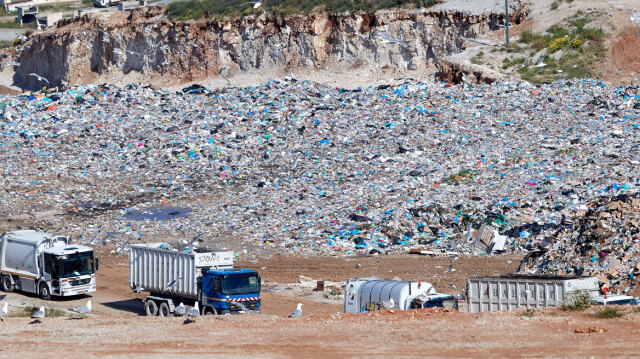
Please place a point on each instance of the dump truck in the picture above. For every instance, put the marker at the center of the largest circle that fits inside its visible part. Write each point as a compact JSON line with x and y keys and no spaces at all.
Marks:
{"x":517,"y":291}
{"x":174,"y":276}
{"x":45,"y":264}
{"x":369,"y":294}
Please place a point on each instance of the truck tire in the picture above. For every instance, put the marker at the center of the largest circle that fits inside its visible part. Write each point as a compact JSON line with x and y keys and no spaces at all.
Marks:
{"x":151,"y":307}
{"x":6,"y":284}
{"x":43,"y":291}
{"x":209,"y":311}
{"x":163,"y":310}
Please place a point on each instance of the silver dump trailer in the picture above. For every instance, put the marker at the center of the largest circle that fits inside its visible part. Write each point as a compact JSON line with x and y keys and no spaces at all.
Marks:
{"x":45,"y":264}
{"x":513,"y":291}
{"x":200,"y":278}
{"x":369,"y":294}
{"x":154,"y":268}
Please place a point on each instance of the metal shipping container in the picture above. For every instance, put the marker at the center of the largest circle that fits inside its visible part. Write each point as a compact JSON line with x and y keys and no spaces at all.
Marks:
{"x":153,"y":268}
{"x":508,"y":292}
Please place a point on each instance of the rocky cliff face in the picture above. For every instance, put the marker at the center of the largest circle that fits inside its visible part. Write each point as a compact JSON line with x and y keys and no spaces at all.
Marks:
{"x":157,"y":51}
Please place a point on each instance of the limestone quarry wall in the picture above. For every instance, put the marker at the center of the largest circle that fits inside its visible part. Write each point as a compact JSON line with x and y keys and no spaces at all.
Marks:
{"x":144,"y":42}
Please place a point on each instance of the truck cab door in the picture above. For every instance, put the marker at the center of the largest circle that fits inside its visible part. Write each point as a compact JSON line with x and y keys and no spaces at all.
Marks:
{"x":208,"y":291}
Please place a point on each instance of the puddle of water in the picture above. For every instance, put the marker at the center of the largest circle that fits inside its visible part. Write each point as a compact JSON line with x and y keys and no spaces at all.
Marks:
{"x":157,"y":214}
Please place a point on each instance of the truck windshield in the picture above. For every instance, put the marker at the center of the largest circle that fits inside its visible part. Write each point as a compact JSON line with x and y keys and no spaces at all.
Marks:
{"x":241,"y":284}
{"x":75,"y":264}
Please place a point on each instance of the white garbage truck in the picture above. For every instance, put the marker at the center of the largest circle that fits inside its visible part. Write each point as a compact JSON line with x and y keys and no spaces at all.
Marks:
{"x":45,"y":264}
{"x":368,"y":294}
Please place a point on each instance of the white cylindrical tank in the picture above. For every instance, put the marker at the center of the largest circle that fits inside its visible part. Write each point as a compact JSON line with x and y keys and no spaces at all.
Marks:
{"x":368,"y":294}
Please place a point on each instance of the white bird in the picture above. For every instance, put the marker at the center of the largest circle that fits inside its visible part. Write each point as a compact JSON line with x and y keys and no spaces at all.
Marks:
{"x":38,"y":315}
{"x":172,"y":283}
{"x":97,"y":234}
{"x":387,"y":38}
{"x":256,"y":4}
{"x":22,"y":37}
{"x":83,"y":309}
{"x":297,"y":313}
{"x":87,"y":45}
{"x":295,"y":163}
{"x":181,"y":309}
{"x":243,"y":308}
{"x":4,"y":311}
{"x":451,"y":269}
{"x":635,"y":17}
{"x":357,"y":31}
{"x":388,"y":304}
{"x":40,"y":78}
{"x":465,"y":79}
{"x":122,"y":248}
{"x":164,"y":47}
{"x":194,"y":312}
{"x":540,"y":65}
{"x":192,"y":242}
{"x":138,"y":289}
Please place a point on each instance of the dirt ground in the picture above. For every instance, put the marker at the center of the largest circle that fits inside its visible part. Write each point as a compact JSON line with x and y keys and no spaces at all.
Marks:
{"x":117,"y":327}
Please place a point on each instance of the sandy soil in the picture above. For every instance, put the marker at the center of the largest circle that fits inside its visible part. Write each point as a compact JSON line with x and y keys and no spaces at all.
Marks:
{"x":117,"y":327}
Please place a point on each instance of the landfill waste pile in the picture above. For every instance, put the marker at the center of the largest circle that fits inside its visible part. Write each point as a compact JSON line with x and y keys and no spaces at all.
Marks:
{"x":294,"y":166}
{"x":604,"y":242}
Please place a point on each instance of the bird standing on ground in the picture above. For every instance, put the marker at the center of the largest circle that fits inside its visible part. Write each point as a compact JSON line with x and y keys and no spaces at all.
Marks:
{"x":181,"y":309}
{"x":83,"y":309}
{"x":39,"y":314}
{"x":194,"y":312}
{"x":451,"y":269}
{"x":635,"y":17}
{"x":388,"y":304}
{"x":4,"y":311}
{"x":297,"y":313}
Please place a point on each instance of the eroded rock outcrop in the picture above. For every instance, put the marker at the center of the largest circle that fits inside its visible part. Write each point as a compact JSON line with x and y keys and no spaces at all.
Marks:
{"x":83,"y":49}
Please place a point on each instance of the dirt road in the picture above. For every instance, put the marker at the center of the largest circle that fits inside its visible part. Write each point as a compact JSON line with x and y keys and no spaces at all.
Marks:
{"x":118,"y":328}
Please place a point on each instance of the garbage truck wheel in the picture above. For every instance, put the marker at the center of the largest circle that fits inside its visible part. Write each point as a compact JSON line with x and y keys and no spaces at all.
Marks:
{"x":6,"y":284}
{"x":43,"y":291}
{"x":151,"y":307}
{"x":163,"y":310}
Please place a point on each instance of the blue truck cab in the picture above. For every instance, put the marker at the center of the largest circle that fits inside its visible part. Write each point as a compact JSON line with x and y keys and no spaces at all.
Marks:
{"x":230,"y":290}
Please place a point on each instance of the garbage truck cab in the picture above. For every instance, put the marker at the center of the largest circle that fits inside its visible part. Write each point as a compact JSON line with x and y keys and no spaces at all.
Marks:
{"x":231,"y":290}
{"x":45,"y":264}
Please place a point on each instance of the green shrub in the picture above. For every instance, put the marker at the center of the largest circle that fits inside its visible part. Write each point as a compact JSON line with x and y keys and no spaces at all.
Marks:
{"x":192,"y":9}
{"x":577,"y":301}
{"x":608,"y":313}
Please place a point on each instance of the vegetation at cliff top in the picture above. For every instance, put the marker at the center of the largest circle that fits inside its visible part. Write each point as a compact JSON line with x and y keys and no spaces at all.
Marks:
{"x":193,"y":9}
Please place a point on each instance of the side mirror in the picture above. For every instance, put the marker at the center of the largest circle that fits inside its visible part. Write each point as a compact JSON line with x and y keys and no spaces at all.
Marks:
{"x":97,"y":264}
